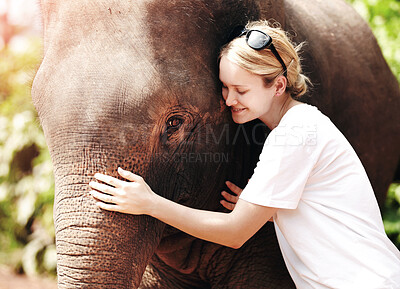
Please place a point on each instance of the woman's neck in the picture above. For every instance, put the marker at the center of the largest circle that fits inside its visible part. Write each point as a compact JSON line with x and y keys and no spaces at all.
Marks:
{"x":279,"y":109}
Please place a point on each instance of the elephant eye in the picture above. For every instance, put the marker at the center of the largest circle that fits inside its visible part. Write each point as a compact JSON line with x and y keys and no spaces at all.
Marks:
{"x":173,"y":123}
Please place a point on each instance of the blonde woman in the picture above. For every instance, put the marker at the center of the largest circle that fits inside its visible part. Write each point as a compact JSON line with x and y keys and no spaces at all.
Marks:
{"x":308,"y":178}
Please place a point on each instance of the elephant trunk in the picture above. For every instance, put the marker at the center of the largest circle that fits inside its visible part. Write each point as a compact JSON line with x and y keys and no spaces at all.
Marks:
{"x":94,"y":246}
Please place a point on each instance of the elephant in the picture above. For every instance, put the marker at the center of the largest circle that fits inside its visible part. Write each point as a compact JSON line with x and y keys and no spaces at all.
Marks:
{"x":134,"y":83}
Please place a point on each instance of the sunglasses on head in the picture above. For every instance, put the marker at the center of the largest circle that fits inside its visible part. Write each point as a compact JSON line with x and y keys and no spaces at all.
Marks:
{"x":257,"y":40}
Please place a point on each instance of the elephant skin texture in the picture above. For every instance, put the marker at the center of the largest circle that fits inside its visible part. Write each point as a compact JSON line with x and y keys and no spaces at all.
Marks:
{"x":134,"y":83}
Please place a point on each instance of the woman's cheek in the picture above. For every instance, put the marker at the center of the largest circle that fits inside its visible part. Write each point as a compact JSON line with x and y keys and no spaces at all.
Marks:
{"x":224,"y":93}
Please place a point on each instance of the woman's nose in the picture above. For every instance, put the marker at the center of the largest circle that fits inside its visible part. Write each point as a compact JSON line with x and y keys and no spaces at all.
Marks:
{"x":230,"y":99}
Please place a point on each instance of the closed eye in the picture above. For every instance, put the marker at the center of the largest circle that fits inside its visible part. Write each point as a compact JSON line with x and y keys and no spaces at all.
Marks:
{"x":242,"y":92}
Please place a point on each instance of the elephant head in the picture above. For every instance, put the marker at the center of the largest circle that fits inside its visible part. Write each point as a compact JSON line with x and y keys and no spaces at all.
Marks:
{"x":134,"y":83}
{"x":130,"y":84}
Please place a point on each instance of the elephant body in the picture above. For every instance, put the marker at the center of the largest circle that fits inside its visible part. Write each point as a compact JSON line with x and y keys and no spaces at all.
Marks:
{"x":134,"y":83}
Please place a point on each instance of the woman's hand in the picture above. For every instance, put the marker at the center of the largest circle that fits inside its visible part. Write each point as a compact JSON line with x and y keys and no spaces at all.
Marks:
{"x":134,"y":197}
{"x":231,"y":200}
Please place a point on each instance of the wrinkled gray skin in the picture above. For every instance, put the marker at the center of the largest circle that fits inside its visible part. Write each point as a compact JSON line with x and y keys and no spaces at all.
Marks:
{"x":134,"y":83}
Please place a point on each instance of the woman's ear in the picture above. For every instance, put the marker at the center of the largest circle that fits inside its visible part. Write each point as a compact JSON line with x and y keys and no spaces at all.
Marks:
{"x":280,"y":85}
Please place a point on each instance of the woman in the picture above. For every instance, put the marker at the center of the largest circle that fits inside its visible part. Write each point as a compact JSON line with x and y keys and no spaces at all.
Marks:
{"x":308,"y":178}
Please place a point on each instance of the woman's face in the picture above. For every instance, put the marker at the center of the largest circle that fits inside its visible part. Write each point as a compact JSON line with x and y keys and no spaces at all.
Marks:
{"x":245,"y":93}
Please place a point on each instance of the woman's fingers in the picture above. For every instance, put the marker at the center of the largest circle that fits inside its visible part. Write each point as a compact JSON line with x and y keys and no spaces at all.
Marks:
{"x":103,"y":197}
{"x":129,"y":175}
{"x":108,"y":207}
{"x":230,"y":200}
{"x":108,"y":180}
{"x":112,"y":194}
{"x":103,"y":188}
{"x":227,"y":205}
{"x":229,"y":197}
{"x":235,"y":189}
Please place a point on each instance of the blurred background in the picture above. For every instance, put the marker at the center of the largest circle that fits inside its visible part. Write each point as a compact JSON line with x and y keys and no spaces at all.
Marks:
{"x":26,"y":181}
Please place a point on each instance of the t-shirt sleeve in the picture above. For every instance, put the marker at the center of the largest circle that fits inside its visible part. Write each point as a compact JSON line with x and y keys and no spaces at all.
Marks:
{"x":282,"y":171}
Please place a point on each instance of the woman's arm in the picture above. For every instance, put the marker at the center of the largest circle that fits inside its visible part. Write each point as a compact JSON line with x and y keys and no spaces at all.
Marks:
{"x":230,"y":229}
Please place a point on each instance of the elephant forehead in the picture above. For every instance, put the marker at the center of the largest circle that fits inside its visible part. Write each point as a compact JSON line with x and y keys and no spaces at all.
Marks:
{"x":111,"y":72}
{"x":91,"y":86}
{"x":100,"y":52}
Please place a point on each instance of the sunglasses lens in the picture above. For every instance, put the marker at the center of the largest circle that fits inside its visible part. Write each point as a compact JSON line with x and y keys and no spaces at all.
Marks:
{"x":258,"y":40}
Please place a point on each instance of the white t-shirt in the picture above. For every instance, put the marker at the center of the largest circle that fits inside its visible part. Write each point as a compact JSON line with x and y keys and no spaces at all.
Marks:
{"x":329,"y":225}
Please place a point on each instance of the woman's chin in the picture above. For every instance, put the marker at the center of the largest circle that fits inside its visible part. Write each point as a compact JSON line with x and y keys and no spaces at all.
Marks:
{"x":240,"y":120}
{"x":239,"y":116}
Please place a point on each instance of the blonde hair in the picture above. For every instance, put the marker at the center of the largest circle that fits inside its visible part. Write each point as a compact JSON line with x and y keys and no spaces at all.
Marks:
{"x":264,"y":63}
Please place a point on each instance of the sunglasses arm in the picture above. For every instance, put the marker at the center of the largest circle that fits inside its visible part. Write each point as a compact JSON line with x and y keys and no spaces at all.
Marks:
{"x":278,"y":57}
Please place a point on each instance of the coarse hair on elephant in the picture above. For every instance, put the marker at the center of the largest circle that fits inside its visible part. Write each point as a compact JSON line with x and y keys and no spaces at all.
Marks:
{"x":134,"y":83}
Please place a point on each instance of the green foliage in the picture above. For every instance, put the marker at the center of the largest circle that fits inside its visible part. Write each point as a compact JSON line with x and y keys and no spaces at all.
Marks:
{"x":16,"y":73}
{"x":383,"y":17}
{"x":26,"y":183}
{"x":391,"y":215}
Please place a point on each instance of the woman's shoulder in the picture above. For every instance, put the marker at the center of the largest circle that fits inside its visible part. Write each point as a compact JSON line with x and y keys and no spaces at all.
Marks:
{"x":305,"y":124}
{"x":297,"y":128}
{"x":305,"y":115}
{"x":302,"y":111}
{"x":302,"y":117}
{"x":316,"y":127}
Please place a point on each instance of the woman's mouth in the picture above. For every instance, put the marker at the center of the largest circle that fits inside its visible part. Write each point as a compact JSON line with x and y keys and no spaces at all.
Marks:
{"x":237,"y":110}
